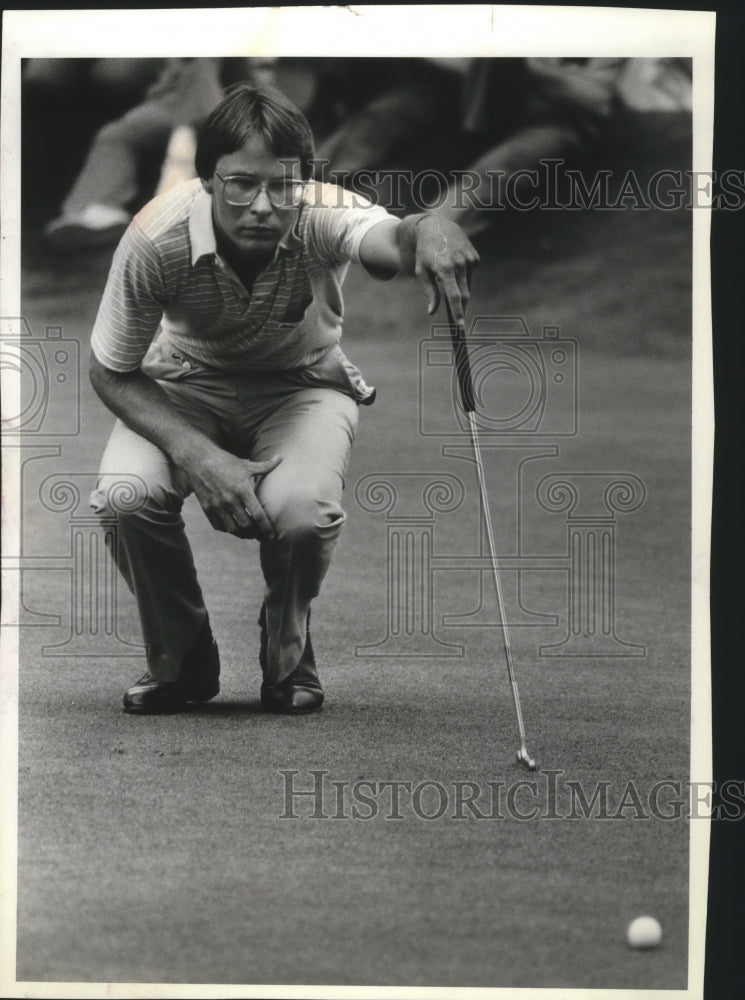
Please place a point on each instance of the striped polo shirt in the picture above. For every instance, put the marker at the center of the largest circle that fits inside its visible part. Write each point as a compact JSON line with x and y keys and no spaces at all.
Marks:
{"x":167,"y":278}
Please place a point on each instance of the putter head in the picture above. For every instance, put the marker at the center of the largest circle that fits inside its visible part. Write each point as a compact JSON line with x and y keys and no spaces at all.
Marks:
{"x":524,"y":758}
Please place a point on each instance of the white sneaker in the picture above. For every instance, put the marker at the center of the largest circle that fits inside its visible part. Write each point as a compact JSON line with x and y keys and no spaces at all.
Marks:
{"x":96,"y":225}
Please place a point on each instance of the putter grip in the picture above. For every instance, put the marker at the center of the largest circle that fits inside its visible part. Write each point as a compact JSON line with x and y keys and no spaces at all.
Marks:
{"x":462,"y":364}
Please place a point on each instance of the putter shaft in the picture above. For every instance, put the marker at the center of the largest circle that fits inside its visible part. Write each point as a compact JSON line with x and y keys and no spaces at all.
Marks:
{"x":468,"y":402}
{"x":522,"y":754}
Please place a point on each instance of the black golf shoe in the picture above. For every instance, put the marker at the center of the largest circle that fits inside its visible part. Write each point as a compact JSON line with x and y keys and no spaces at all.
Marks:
{"x":299,"y":693}
{"x":198,"y":681}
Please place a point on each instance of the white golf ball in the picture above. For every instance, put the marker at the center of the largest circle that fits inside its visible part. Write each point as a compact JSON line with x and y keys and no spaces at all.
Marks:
{"x":644,"y":932}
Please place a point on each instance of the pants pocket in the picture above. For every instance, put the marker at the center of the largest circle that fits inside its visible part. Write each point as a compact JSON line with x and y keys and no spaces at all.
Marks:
{"x":335,"y":371}
{"x":358,"y":389}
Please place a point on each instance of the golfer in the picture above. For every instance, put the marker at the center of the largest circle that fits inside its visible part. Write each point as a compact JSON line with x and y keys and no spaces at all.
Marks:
{"x":217,"y":347}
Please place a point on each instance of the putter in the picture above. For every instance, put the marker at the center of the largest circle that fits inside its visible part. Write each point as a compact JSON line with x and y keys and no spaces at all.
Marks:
{"x":468,"y":402}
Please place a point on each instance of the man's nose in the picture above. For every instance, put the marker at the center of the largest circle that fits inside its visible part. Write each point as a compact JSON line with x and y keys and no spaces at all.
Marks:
{"x":261,"y":204}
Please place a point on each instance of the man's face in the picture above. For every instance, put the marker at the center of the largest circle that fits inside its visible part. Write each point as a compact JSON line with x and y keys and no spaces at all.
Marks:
{"x":252,"y":230}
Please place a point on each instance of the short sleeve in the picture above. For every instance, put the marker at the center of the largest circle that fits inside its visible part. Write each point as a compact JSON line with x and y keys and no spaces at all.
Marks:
{"x":132,"y":305}
{"x":338,"y":221}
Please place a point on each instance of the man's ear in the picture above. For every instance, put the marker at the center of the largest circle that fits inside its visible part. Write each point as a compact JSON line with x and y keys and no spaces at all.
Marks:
{"x":207,"y":185}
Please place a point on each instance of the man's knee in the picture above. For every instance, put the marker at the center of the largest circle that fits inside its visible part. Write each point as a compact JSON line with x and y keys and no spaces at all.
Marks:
{"x":131,"y":496}
{"x":301,"y":517}
{"x":112,"y":132}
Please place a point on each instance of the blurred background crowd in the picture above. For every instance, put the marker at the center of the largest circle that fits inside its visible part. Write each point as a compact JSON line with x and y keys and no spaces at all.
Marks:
{"x":101,"y":136}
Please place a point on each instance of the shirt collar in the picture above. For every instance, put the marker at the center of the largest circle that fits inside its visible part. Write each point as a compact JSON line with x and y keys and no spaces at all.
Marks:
{"x":202,"y":230}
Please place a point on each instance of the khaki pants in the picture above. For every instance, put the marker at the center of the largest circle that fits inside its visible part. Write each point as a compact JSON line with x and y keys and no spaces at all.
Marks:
{"x":309,"y":417}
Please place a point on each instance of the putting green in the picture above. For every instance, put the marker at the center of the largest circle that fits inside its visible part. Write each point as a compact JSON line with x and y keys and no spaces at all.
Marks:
{"x":153,"y":849}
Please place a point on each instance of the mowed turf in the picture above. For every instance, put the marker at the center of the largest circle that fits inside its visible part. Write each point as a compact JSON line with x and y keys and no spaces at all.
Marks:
{"x":154,"y":849}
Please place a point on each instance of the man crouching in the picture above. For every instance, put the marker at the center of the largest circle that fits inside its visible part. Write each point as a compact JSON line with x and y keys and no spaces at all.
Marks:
{"x":216,"y":345}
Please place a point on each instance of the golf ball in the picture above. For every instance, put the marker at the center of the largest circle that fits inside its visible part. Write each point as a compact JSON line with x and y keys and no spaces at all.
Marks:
{"x":644,"y":932}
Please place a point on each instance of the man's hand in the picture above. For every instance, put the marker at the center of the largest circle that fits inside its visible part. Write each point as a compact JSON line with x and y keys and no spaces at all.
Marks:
{"x":433,"y":248}
{"x":226,"y":489}
{"x":225,"y":485}
{"x":443,"y":255}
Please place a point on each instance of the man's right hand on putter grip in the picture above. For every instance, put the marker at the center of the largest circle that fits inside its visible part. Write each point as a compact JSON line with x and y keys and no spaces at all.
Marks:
{"x":444,"y":260}
{"x":226,"y":489}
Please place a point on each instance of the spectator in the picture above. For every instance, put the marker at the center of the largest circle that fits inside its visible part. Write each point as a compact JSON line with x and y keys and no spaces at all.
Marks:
{"x":558,"y":110}
{"x":96,"y":211}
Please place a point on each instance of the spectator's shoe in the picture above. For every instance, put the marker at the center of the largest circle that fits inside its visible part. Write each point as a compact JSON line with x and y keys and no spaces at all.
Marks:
{"x":299,"y":693}
{"x":94,"y":226}
{"x":199,"y":680}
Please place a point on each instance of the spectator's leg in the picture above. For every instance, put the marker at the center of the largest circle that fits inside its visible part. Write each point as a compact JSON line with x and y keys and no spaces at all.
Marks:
{"x":368,"y":137}
{"x":472,"y":199}
{"x":110,"y":173}
{"x":298,"y":80}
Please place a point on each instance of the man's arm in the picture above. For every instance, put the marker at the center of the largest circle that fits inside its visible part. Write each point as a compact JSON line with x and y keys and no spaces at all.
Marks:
{"x":223,"y":484}
{"x":436,"y":250}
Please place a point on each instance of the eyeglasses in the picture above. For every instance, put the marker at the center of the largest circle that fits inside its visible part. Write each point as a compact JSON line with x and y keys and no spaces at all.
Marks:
{"x":243,"y":190}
